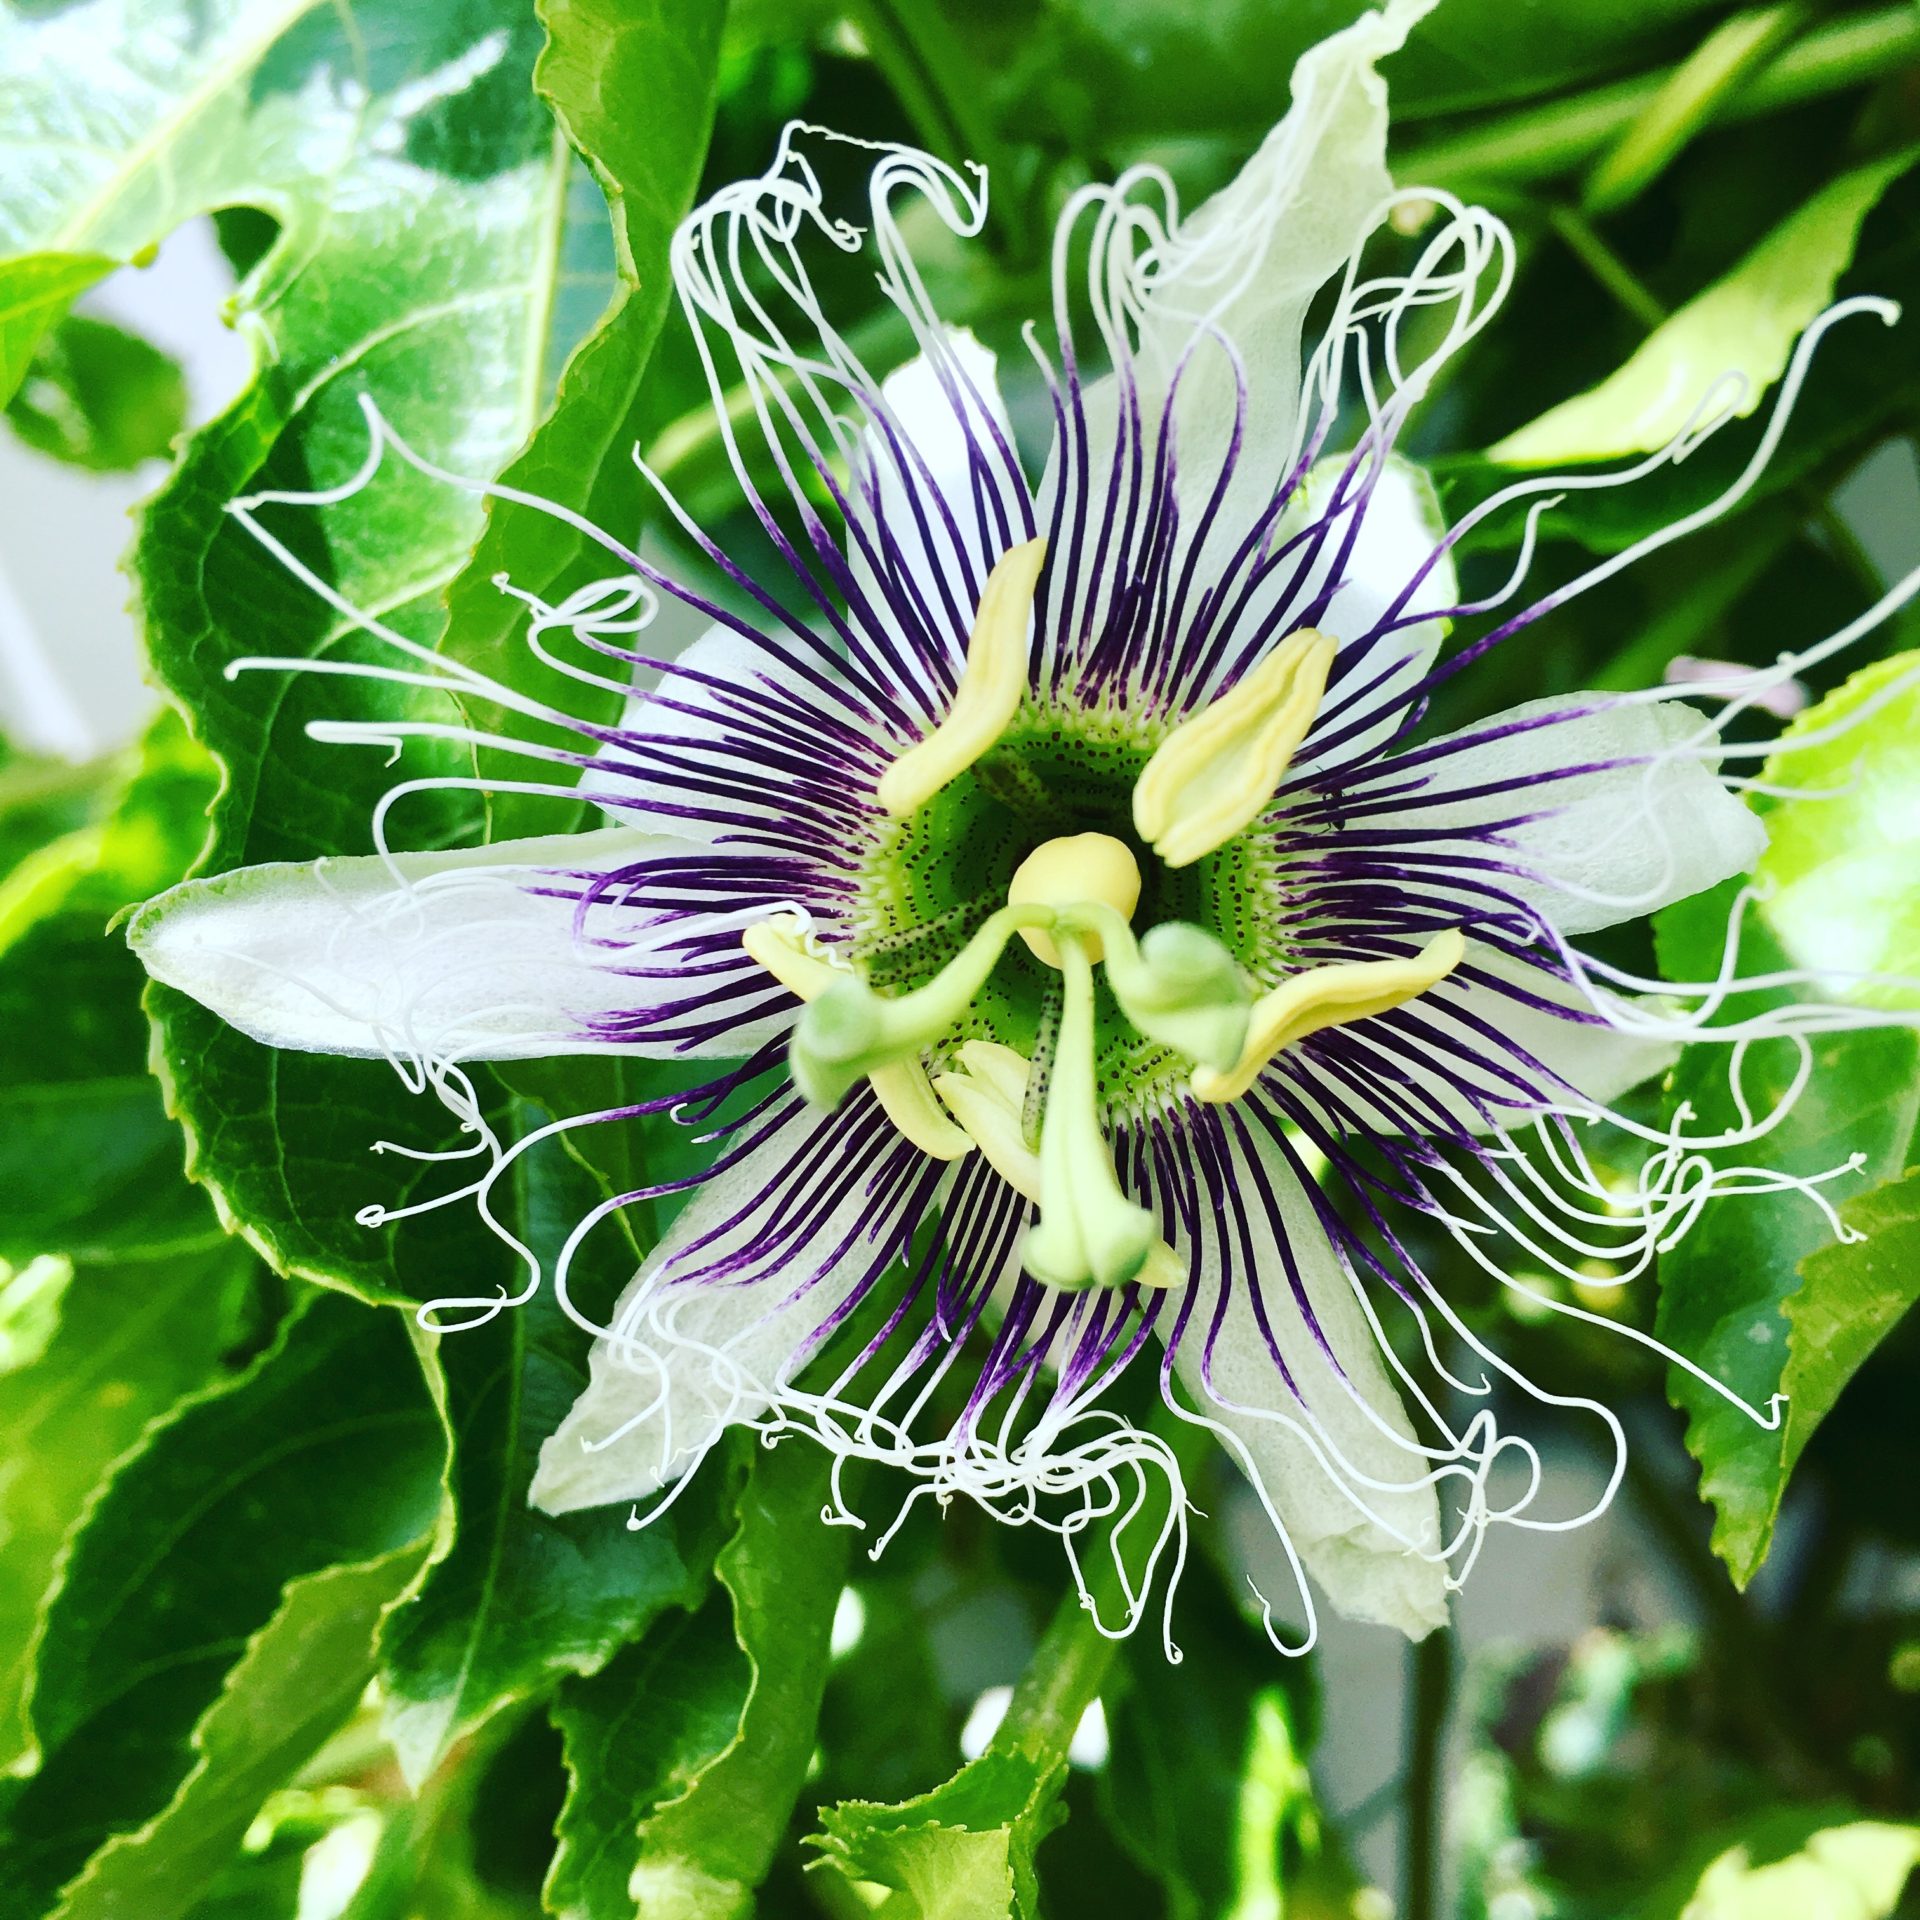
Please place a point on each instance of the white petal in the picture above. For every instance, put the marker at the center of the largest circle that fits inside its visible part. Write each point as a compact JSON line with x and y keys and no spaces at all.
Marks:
{"x":1252,"y":258}
{"x":698,"y":1357}
{"x":1397,"y":535}
{"x":1371,"y":1559}
{"x":1246,"y":265}
{"x":1395,"y":552}
{"x":1608,"y":845}
{"x":690,"y":712}
{"x":948,"y":502}
{"x":451,"y":955}
{"x":1597,"y":1062}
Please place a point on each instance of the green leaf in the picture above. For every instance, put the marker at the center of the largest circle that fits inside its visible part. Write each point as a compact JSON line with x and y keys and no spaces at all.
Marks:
{"x":1206,"y":1775}
{"x":633,"y":87}
{"x":429,"y":261}
{"x":297,"y":1680}
{"x":1724,"y":1286}
{"x":127,"y":117}
{"x":1852,"y":1296}
{"x":522,"y":1597}
{"x":131,"y":1339}
{"x":326,"y":1455}
{"x":1745,"y":323}
{"x":688,"y":1751}
{"x":99,"y":397}
{"x":90,"y":1163}
{"x":637,"y":1735}
{"x":1840,"y":860}
{"x":965,"y":1850}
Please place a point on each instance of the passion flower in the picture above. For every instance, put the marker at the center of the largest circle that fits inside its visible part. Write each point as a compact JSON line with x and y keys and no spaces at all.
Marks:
{"x":1104,"y":963}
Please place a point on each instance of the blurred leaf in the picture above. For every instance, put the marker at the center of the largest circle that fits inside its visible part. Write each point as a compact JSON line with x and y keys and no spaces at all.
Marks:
{"x":99,"y":397}
{"x":263,"y":1885}
{"x":1723,"y":1287}
{"x":1206,"y":1776}
{"x":1715,"y":72}
{"x":36,"y":290}
{"x":521,"y":1596}
{"x":89,"y":1162}
{"x":1861,"y":385}
{"x":172,"y":1637}
{"x":1853,"y":1295}
{"x":1841,"y":860}
{"x":1744,"y":324}
{"x":42,"y":800}
{"x":131,"y":1340}
{"x":688,"y":1751}
{"x":633,"y":88}
{"x":888,"y":1724}
{"x":1088,"y":73}
{"x":1851,"y":1872}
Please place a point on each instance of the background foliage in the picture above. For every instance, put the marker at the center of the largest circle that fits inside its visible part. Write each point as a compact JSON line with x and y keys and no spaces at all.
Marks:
{"x":279,"y":1635}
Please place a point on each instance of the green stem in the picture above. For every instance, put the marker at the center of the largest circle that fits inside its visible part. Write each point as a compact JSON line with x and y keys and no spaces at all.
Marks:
{"x":1846,"y":545}
{"x":1694,"y":93}
{"x":1608,"y":269}
{"x":1062,"y":1680}
{"x":1539,"y":143}
{"x":1429,"y":1706}
{"x":934,"y":75}
{"x":1073,"y":1659}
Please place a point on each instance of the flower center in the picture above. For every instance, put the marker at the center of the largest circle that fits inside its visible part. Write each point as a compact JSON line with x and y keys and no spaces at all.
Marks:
{"x":1066,"y":826}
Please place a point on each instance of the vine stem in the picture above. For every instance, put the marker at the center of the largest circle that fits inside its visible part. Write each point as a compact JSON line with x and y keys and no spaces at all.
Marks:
{"x":1074,"y":1657}
{"x":1540,"y":142}
{"x":1429,"y":1707}
{"x":1612,"y":273}
{"x":1061,"y":1681}
{"x":1697,"y":90}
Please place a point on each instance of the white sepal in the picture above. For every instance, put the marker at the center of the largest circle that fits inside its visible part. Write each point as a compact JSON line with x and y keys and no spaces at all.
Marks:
{"x":474,"y":954}
{"x":690,"y":1351}
{"x":1336,"y":1461}
{"x":1651,"y":825}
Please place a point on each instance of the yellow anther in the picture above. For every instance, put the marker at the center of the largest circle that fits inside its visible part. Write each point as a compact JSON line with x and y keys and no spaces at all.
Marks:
{"x":780,"y":945}
{"x":903,"y":1090}
{"x":1070,"y":871}
{"x":901,"y":1087}
{"x":992,"y":685}
{"x":988,"y":1096}
{"x":1326,"y":997}
{"x":1215,"y":771}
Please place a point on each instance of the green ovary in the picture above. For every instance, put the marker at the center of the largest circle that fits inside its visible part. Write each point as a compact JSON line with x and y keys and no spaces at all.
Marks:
{"x":932,"y":878}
